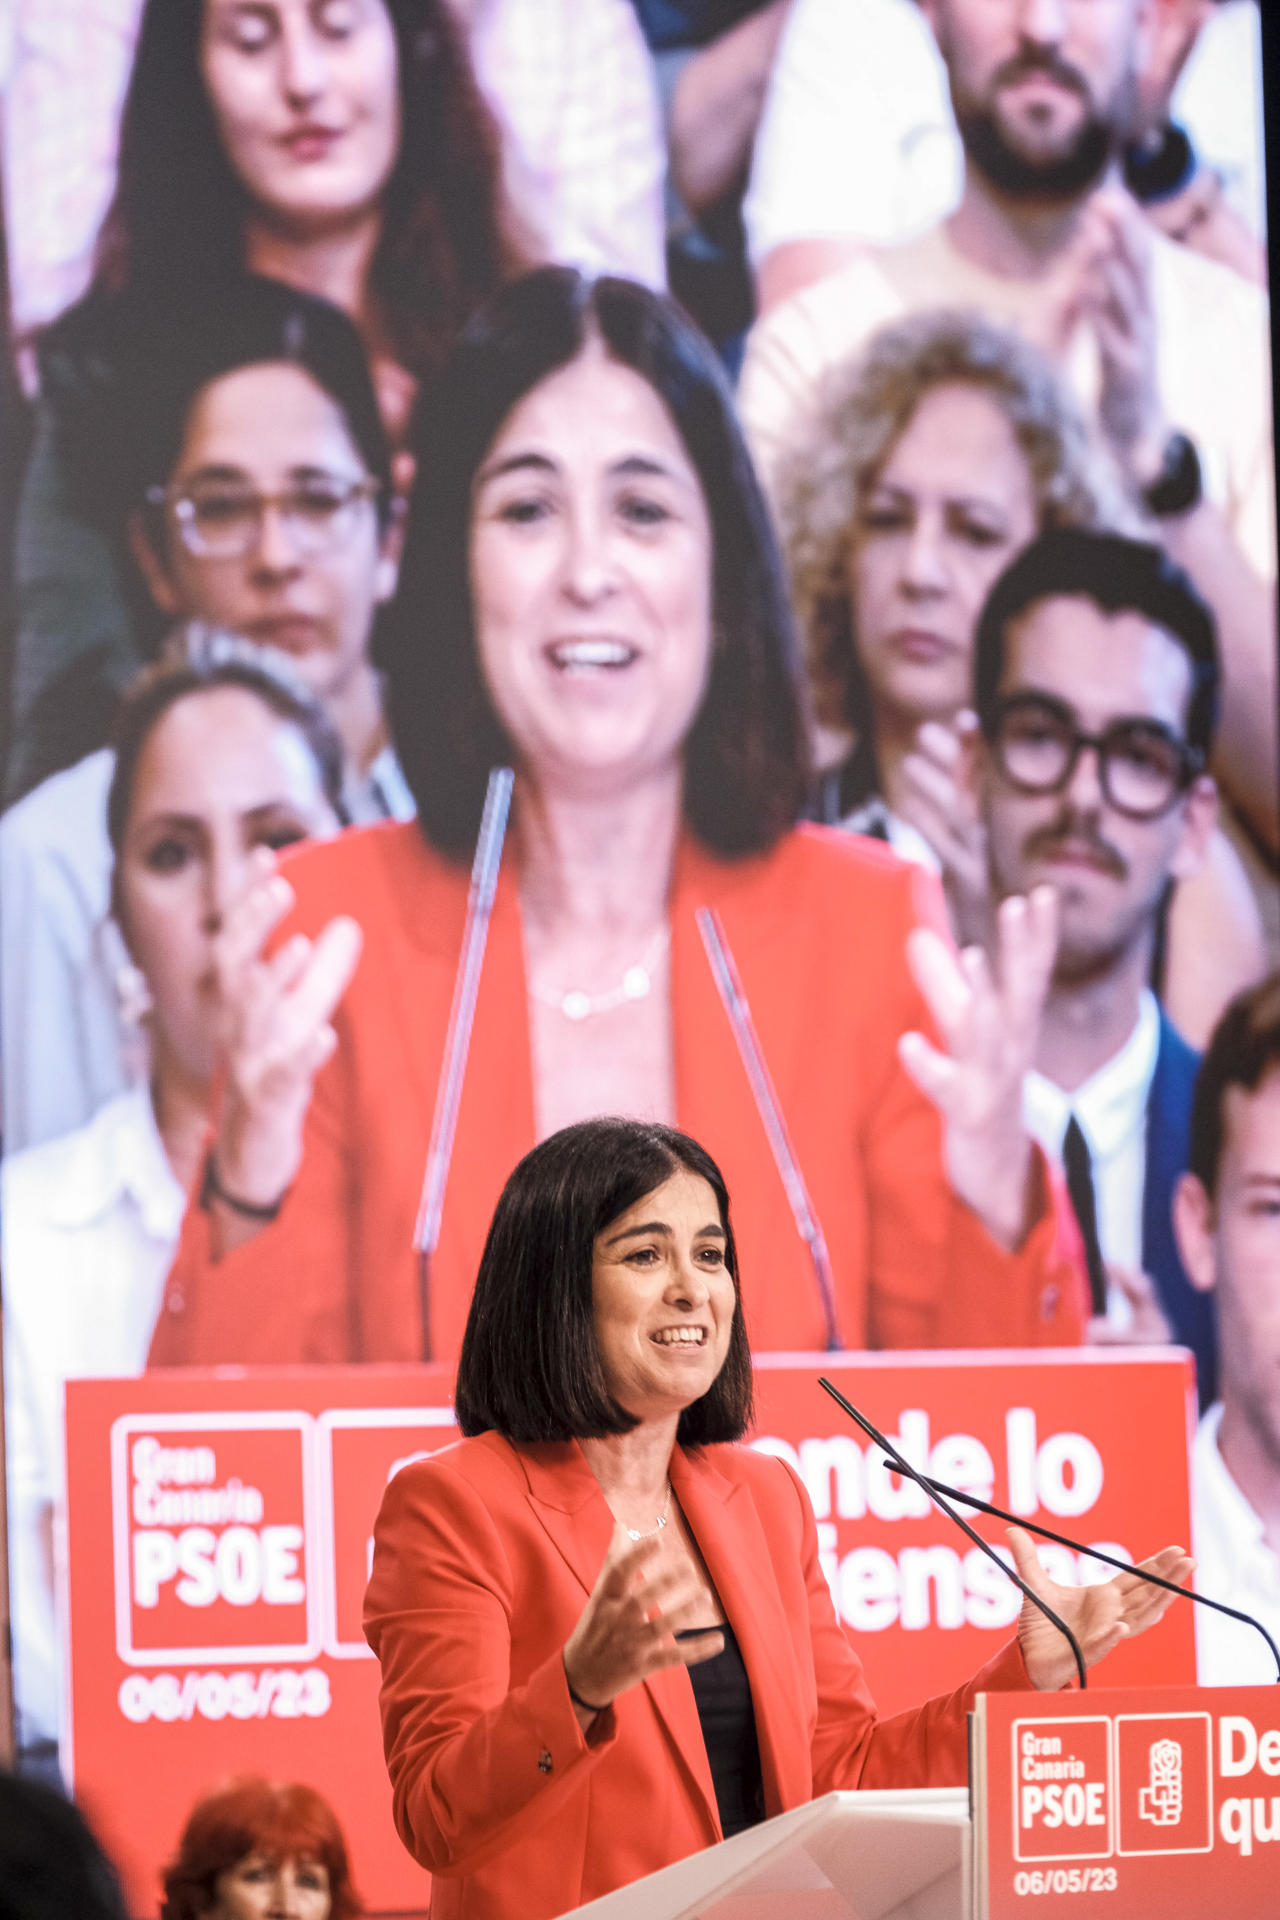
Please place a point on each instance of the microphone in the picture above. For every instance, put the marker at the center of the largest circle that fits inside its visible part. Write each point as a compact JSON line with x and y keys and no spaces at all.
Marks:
{"x":940,"y":1487}
{"x":1109,"y":1559}
{"x":724,"y":972}
{"x":466,"y":987}
{"x":904,"y":1466}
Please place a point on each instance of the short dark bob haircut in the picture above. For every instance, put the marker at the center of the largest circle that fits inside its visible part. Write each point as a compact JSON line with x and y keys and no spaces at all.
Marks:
{"x":284,"y":1821}
{"x":746,"y":759}
{"x":1120,"y":576}
{"x":1243,"y":1048}
{"x":530,"y":1367}
{"x":178,"y":214}
{"x":197,"y":659}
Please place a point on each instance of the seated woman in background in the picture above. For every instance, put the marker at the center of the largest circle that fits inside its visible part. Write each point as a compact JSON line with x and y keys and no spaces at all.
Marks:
{"x":535,"y":1586}
{"x":256,"y":489}
{"x":345,"y":151}
{"x":590,"y":593}
{"x":219,"y":754}
{"x":255,"y":1848}
{"x":944,"y":449}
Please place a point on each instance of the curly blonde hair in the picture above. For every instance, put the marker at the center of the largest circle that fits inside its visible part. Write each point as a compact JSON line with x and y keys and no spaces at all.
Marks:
{"x":867,"y":405}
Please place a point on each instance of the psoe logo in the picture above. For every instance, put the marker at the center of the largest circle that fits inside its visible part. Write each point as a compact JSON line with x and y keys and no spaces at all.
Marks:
{"x":1062,"y":1788}
{"x":1164,"y":1783}
{"x":1160,"y":1801}
{"x":213,"y":1531}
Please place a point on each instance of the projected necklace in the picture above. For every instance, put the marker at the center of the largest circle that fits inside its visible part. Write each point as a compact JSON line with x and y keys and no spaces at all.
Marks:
{"x":637,"y":984}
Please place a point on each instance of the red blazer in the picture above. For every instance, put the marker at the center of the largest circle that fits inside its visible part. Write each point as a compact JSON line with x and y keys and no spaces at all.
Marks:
{"x":817,"y":927}
{"x":483,"y":1559}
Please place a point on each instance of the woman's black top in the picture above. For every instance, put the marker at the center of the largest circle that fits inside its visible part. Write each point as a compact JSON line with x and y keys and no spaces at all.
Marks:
{"x":723,"y":1695}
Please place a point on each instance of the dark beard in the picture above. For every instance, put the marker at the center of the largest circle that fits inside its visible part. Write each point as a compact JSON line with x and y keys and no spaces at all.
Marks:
{"x":1056,"y":181}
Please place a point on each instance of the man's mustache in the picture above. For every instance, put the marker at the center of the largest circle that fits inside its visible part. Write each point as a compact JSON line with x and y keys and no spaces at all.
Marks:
{"x":1041,"y":66}
{"x":1080,"y":834}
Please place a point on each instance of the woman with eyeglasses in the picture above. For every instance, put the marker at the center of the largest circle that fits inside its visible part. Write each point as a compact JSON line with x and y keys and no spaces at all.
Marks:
{"x":220,"y":754}
{"x":257,"y":485}
{"x":592,"y":596}
{"x":339,"y":146}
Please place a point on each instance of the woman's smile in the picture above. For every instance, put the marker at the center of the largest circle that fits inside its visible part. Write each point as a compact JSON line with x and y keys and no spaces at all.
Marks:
{"x":602,"y":655}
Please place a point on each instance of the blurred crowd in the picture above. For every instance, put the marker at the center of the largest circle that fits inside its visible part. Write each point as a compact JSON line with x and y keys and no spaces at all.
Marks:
{"x":825,"y":451}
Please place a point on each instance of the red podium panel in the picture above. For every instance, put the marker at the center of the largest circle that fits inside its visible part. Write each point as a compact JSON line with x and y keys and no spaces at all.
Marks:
{"x":1159,"y":1801}
{"x":219,"y":1536}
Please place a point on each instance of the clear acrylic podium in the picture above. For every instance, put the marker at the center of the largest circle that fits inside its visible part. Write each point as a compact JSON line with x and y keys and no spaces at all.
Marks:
{"x":848,"y":1856}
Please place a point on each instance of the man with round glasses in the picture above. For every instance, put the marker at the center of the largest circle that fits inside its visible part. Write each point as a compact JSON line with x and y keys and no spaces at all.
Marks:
{"x":1096,"y":688}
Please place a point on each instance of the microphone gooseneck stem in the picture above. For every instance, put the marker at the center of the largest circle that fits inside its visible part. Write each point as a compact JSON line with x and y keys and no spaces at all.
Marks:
{"x":466,"y":987}
{"x":905,"y":1467}
{"x":1108,"y":1559}
{"x":733,"y":998}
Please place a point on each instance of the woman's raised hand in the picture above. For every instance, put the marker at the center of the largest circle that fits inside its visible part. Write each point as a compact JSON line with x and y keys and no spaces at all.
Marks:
{"x":627,"y":1629}
{"x":276,"y":1036}
{"x":989,"y":1022}
{"x":1099,"y":1616}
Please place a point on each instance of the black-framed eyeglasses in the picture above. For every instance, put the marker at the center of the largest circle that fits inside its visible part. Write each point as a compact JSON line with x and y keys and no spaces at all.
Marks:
{"x":1143,"y":766}
{"x":222,"y":520}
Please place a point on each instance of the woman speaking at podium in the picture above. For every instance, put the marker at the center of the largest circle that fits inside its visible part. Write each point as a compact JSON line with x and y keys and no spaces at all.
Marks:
{"x":605,"y":1637}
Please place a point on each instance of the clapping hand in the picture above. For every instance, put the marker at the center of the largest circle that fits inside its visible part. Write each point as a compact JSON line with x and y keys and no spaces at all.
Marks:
{"x":937,"y":799}
{"x":276,"y":1033}
{"x":1146,"y":1324}
{"x":1104,"y":282}
{"x":989,"y":1023}
{"x":627,"y":1629}
{"x":1100,"y":1616}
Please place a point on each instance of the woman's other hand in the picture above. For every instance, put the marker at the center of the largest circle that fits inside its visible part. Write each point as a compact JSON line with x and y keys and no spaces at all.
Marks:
{"x":277,"y":1036}
{"x":989,"y":1023}
{"x":1099,"y":1616}
{"x":628,"y":1628}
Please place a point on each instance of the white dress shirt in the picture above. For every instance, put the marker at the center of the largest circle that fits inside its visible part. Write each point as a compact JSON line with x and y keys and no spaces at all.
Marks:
{"x":1233,"y":1564}
{"x":1111,"y":1109}
{"x":874,"y":817}
{"x":88,"y":1229}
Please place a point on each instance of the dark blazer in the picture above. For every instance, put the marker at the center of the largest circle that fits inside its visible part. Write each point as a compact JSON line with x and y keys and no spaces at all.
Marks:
{"x":1190,"y":1313}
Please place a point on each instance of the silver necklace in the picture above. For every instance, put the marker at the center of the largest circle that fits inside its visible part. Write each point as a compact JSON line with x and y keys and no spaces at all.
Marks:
{"x":635,"y":1533}
{"x":637,"y":983}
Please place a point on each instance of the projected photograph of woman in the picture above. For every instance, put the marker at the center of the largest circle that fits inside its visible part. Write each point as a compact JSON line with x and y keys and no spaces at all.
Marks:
{"x":591,"y":593}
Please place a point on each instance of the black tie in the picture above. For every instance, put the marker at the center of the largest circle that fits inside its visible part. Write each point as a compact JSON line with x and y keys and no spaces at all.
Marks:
{"x":1079,"y":1172}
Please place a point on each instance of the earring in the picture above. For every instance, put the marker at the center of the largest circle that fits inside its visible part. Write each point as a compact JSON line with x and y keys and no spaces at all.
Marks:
{"x":133,"y":995}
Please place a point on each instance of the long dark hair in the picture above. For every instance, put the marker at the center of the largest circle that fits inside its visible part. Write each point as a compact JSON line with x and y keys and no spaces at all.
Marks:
{"x":746,"y":758}
{"x":177,"y":218}
{"x":530,"y":1367}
